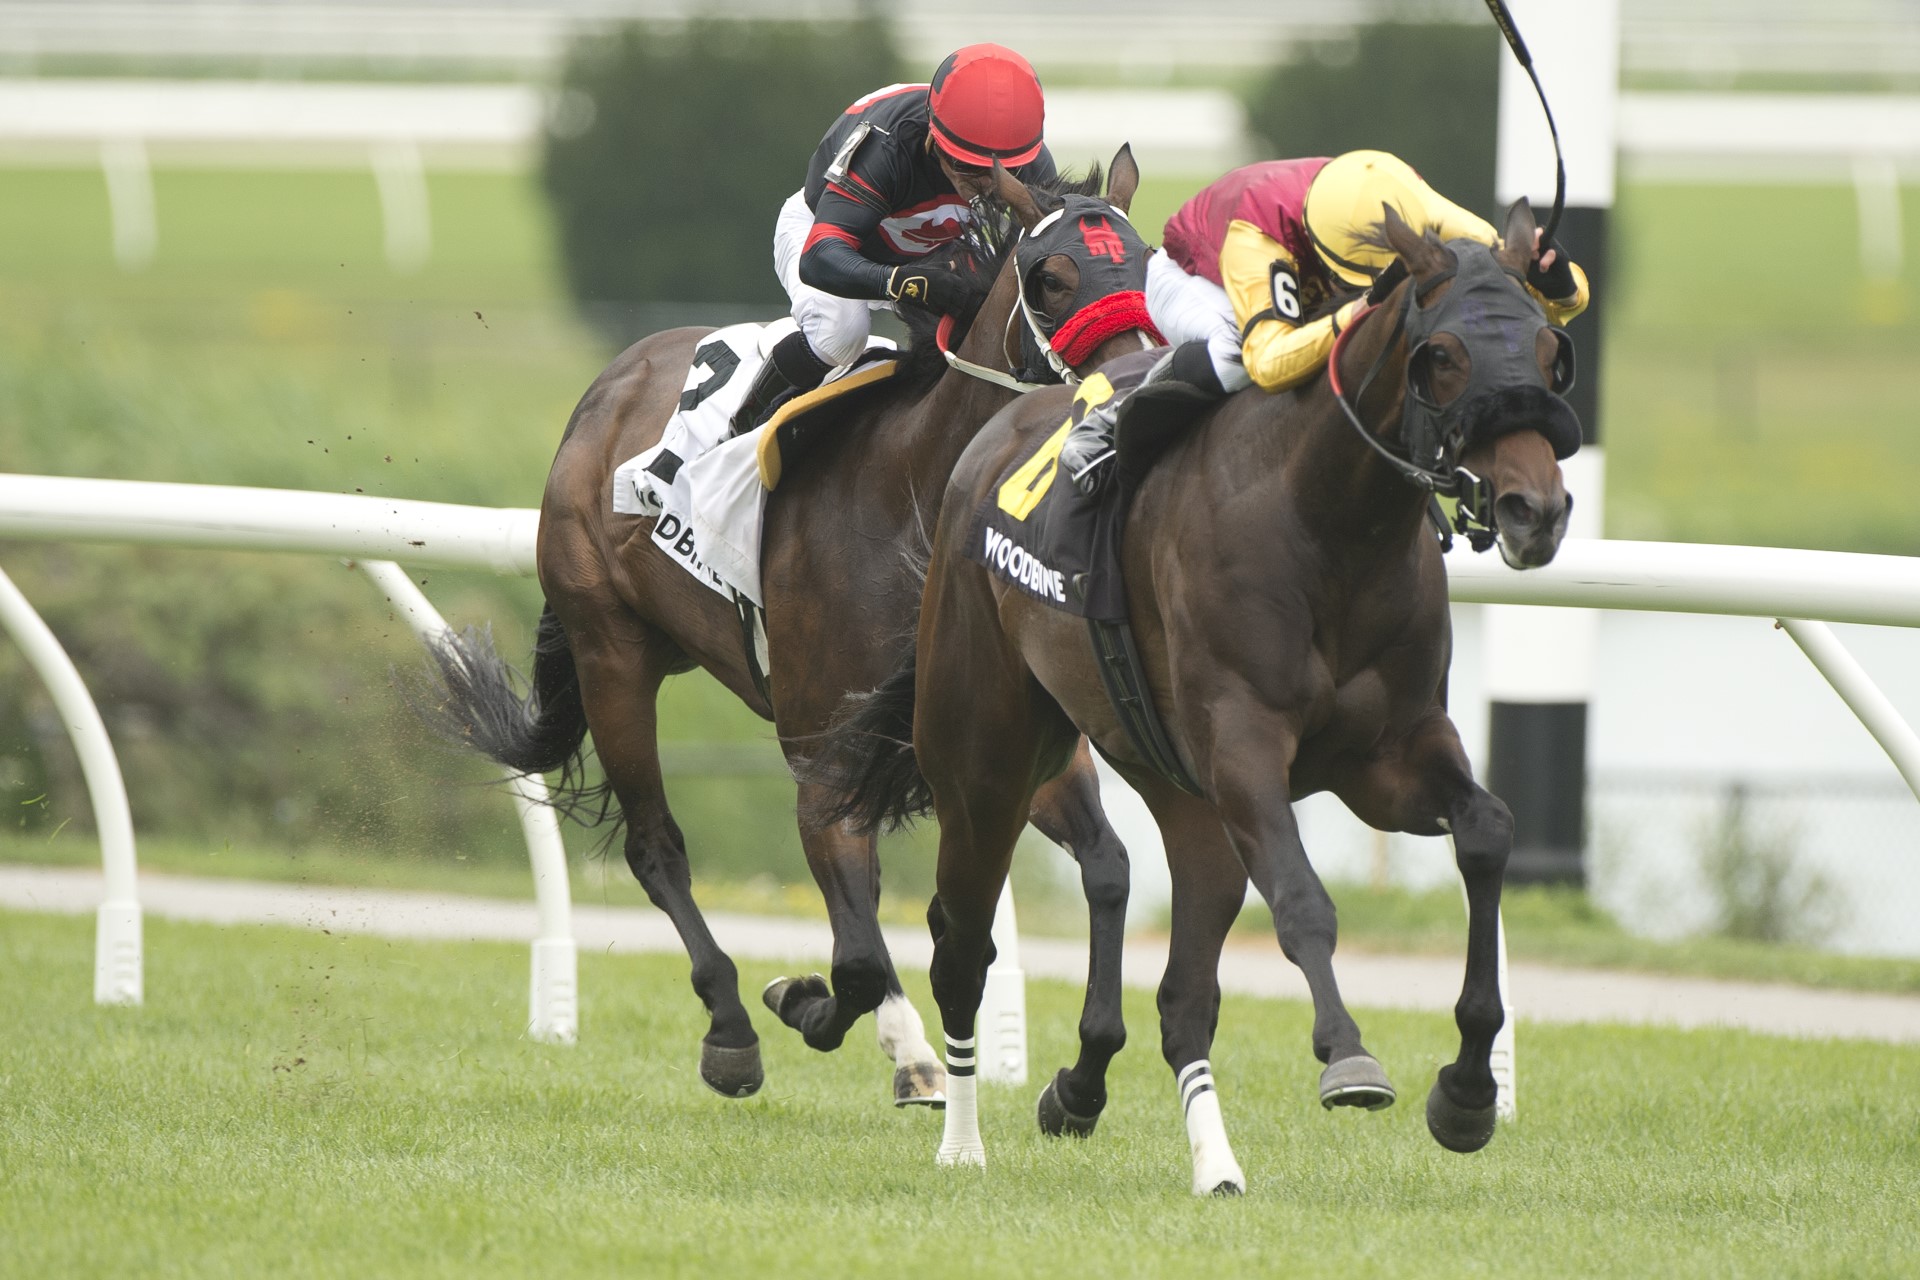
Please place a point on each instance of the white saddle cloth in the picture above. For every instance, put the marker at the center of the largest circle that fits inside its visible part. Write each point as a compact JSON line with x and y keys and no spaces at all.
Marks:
{"x":703,"y":486}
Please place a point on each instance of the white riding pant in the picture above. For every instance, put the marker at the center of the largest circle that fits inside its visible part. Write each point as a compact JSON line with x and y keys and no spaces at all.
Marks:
{"x":1194,"y":309}
{"x":836,"y":327}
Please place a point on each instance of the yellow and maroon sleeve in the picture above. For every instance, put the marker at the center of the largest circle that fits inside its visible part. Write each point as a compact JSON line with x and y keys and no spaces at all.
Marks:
{"x":1279,"y":352}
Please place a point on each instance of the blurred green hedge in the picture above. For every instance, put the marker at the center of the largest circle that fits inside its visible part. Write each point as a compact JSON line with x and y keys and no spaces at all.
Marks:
{"x":670,"y":149}
{"x":1427,"y":92}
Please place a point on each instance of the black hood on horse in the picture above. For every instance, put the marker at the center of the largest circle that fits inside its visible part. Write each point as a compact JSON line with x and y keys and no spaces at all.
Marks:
{"x":1498,"y":325}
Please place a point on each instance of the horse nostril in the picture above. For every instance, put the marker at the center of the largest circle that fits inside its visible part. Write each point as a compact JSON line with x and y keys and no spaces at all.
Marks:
{"x":1516,"y":511}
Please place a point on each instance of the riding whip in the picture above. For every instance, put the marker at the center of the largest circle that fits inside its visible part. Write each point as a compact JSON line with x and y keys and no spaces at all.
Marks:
{"x":1504,"y":20}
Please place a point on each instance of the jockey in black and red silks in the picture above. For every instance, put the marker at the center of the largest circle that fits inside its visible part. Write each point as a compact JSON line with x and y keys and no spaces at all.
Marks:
{"x":888,"y":189}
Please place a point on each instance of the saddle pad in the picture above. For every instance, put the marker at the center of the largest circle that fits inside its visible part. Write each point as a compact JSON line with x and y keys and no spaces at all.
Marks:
{"x":796,"y":424}
{"x":1046,"y":539}
{"x":664,"y":483}
{"x":729,"y":510}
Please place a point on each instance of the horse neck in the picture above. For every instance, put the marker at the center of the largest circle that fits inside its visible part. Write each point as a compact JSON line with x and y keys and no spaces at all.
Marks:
{"x":1337,"y":480}
{"x":940,"y":425}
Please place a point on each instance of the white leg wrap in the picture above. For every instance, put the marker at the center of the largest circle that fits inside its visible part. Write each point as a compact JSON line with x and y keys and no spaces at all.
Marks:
{"x":1215,"y":1171}
{"x":903,"y":1037}
{"x":960,"y":1142}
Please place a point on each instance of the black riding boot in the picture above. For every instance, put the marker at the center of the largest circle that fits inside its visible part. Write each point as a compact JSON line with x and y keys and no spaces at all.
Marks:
{"x":791,"y":367}
{"x":1180,"y":384}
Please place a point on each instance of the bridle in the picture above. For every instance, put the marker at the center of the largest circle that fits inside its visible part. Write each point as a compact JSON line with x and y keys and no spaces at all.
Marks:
{"x":1052,"y":347}
{"x":1438,"y":471}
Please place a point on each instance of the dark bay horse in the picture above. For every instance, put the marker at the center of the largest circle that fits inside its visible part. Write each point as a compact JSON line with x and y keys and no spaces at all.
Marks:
{"x":843,"y":533}
{"x":1290,"y":602}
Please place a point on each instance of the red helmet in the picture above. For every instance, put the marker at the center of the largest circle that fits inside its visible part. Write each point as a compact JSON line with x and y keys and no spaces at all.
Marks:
{"x":986,"y":105}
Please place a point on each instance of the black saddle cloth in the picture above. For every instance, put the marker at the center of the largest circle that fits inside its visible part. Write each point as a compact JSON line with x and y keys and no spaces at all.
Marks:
{"x":1038,"y":533}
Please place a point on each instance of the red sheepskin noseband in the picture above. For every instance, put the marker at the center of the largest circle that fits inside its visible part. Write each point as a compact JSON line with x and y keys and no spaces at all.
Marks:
{"x":1081,"y":334}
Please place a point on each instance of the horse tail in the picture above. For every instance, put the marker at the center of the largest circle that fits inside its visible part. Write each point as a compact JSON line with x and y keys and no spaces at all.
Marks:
{"x":864,"y":762}
{"x":470,"y":696}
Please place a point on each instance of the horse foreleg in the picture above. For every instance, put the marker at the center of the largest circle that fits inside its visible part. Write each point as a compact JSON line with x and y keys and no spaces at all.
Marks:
{"x":1209,"y":886}
{"x":1250,"y":780}
{"x":1067,"y":811}
{"x":1427,"y":788}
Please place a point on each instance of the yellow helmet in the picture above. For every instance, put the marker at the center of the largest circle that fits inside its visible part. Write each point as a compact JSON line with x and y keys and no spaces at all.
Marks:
{"x":1343,"y":208}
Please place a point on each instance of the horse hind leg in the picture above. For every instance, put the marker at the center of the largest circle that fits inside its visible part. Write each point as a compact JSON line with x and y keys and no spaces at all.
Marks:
{"x":1209,"y":886}
{"x":619,"y":683}
{"x":1067,"y":811}
{"x":846,"y":867}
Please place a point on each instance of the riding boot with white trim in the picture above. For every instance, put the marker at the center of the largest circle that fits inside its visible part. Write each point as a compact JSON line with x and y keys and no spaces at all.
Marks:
{"x":791,"y":367}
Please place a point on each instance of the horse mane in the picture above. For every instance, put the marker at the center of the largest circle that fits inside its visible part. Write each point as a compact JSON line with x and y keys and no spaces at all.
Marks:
{"x":985,"y":249}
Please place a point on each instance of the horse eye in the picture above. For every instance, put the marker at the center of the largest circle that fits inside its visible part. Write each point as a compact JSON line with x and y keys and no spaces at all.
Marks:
{"x":1442,"y":357}
{"x":1049,"y":280}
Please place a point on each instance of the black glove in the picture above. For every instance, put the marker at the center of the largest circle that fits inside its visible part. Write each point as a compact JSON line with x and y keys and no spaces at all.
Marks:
{"x":929,"y":287}
{"x":1556,"y":283}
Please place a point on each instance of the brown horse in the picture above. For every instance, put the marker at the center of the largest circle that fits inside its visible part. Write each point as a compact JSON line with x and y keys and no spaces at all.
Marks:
{"x":841,"y":538}
{"x":1290,"y":603}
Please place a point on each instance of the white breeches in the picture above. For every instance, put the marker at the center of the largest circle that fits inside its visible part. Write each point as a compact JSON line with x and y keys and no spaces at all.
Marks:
{"x":836,"y":328}
{"x":1194,"y":309}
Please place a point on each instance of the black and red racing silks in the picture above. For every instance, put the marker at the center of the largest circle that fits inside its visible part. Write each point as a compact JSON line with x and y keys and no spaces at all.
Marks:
{"x":891,"y":204}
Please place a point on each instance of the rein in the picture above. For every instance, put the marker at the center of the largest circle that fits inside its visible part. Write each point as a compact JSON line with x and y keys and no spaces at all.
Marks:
{"x":1473,"y":516}
{"x":943,"y":336}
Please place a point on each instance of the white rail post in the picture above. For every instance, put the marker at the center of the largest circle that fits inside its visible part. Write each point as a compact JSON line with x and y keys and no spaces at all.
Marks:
{"x":118,"y":968}
{"x":1857,"y":689}
{"x":554,"y":988}
{"x":1002,"y":1024}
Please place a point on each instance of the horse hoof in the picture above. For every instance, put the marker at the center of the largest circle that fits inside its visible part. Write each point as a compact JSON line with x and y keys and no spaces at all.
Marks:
{"x":1228,"y":1190}
{"x":784,"y":995}
{"x":731,"y":1073}
{"x":920,"y":1084}
{"x":1458,"y":1128}
{"x":1055,"y":1120}
{"x":1358,"y":1081}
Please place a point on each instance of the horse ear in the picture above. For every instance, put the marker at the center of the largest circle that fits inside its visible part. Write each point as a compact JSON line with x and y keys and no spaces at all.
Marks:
{"x":1123,"y":178}
{"x":1516,"y":249}
{"x":1422,"y":256}
{"x":1014,"y":194}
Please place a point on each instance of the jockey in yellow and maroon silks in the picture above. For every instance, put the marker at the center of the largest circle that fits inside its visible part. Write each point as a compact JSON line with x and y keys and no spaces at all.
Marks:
{"x":1250,"y":257}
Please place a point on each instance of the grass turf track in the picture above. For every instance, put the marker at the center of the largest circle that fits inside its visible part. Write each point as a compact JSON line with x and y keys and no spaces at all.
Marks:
{"x":301,"y":1103}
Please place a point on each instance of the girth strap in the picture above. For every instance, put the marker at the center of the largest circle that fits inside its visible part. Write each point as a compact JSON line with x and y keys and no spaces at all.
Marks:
{"x":750,"y":623}
{"x":1125,"y":681}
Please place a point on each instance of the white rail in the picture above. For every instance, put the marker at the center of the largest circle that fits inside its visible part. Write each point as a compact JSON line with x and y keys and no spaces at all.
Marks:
{"x":61,"y":509}
{"x":117,"y":967}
